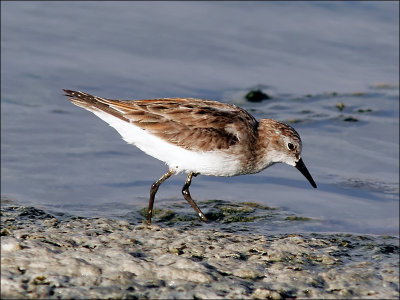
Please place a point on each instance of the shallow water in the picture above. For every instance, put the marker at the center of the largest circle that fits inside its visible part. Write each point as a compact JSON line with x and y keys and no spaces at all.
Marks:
{"x":309,"y":57}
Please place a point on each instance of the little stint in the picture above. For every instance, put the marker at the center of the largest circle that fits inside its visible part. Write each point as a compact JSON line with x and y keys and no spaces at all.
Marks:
{"x":198,"y":137}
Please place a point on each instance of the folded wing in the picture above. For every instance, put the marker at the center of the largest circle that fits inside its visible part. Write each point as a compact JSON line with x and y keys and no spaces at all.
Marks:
{"x":186,"y":122}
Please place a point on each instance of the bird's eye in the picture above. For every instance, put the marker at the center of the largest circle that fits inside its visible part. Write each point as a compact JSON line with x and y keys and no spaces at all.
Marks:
{"x":290,"y":146}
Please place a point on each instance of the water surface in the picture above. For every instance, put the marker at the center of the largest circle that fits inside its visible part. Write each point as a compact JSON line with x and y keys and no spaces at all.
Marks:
{"x":309,"y":56}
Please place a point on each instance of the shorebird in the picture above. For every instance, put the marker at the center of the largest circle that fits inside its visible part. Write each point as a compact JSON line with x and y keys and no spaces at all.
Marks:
{"x":198,"y":137}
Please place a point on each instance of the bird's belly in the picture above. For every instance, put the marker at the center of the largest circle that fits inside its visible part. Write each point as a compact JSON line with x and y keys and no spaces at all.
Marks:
{"x":216,"y":163}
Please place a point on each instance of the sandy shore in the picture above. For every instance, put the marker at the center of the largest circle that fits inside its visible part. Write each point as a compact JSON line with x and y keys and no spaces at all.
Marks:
{"x":46,"y":257}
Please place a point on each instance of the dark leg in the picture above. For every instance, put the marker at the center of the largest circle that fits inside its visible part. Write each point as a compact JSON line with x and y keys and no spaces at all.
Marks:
{"x":153,"y":191}
{"x":186,"y":195}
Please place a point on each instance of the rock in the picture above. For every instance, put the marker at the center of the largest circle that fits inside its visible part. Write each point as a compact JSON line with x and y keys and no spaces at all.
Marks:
{"x":10,"y":244}
{"x":46,"y":257}
{"x":256,"y":96}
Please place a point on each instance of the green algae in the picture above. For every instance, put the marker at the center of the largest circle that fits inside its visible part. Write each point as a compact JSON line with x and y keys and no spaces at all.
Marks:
{"x":257,"y":205}
{"x":221,"y":212}
{"x":340,"y":106}
{"x":367,"y":110}
{"x":296,"y":218}
{"x":231,"y":212}
{"x":161,"y":214}
{"x":239,"y":218}
{"x":350,"y":119}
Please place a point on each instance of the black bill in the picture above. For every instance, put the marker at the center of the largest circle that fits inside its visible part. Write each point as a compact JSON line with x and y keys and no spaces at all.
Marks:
{"x":302,"y":168}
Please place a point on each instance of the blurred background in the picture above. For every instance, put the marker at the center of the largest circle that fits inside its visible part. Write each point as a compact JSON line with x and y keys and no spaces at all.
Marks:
{"x":330,"y":69}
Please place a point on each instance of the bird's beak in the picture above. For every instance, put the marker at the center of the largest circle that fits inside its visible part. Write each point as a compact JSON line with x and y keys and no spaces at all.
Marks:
{"x":302,"y":168}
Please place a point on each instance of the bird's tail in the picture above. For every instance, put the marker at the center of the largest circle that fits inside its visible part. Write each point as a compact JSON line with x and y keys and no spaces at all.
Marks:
{"x":93,"y":103}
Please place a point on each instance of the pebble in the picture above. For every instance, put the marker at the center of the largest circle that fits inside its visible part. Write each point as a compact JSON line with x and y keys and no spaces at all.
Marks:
{"x":48,"y":257}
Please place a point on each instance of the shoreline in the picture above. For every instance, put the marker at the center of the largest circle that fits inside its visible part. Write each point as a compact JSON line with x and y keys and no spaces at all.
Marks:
{"x":46,"y":257}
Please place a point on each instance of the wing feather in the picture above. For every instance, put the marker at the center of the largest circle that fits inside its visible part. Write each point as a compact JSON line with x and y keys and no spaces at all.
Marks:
{"x":187,"y":122}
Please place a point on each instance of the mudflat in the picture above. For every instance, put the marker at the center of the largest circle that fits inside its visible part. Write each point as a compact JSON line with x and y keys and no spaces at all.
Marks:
{"x":46,"y":257}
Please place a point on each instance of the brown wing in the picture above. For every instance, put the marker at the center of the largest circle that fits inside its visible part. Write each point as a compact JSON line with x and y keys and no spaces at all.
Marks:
{"x":186,"y":122}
